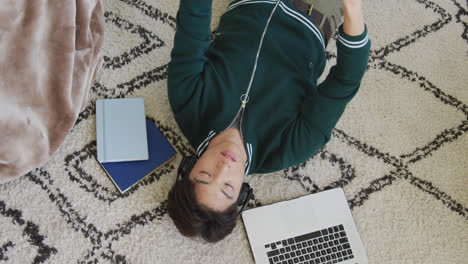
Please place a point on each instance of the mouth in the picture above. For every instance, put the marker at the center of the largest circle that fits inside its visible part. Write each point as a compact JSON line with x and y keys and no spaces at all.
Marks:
{"x":229,"y":155}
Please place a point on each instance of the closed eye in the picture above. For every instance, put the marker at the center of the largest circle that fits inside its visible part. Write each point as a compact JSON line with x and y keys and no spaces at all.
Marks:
{"x":227,"y":195}
{"x":203,"y":175}
{"x":204,"y":172}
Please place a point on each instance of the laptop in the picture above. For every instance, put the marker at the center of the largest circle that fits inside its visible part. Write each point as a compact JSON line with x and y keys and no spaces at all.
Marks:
{"x":316,"y":228}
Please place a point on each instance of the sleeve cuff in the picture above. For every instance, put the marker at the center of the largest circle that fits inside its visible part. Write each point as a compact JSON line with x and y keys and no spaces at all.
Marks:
{"x":353,"y":42}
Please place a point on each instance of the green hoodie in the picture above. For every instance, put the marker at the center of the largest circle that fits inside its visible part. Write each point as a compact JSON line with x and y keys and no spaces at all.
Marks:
{"x":288,"y":117}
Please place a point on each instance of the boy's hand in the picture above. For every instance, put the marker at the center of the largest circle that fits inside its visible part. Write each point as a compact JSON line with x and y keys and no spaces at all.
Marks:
{"x":352,"y":3}
{"x":353,"y":24}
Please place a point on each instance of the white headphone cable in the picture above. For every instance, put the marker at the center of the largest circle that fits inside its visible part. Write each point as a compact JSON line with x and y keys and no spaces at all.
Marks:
{"x":245,"y":97}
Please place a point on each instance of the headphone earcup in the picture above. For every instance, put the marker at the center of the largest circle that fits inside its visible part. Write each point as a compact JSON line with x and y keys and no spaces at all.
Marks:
{"x":185,"y":166}
{"x":245,"y":194}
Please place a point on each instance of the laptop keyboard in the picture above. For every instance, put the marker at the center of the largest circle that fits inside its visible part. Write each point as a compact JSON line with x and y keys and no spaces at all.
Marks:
{"x":329,"y":245}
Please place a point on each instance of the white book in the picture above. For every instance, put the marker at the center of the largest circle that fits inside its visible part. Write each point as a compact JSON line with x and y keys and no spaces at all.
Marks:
{"x":121,"y":130}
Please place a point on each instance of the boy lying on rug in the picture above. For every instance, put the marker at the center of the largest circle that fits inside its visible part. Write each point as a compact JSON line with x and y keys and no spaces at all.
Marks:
{"x":249,"y":101}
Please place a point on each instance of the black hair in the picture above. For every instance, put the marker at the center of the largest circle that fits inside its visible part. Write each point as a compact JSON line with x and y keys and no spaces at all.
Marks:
{"x":192,"y":219}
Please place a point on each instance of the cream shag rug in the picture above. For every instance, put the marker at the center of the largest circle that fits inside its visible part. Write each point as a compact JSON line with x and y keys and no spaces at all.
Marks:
{"x":400,"y":151}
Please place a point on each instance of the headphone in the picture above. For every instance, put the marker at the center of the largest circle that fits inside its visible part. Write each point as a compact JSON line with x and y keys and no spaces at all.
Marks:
{"x":186,"y":166}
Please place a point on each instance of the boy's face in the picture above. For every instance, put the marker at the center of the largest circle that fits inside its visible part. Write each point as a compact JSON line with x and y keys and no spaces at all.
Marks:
{"x":218,"y":175}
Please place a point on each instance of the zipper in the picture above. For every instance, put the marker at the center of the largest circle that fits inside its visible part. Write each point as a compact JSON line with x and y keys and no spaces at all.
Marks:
{"x":245,"y":97}
{"x":258,"y":51}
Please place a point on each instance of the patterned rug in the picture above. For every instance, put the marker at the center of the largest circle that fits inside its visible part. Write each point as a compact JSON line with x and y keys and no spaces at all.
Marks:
{"x":400,"y":151}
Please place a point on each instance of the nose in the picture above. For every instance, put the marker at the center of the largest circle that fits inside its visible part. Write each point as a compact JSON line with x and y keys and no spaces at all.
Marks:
{"x":222,"y":165}
{"x":223,"y":162}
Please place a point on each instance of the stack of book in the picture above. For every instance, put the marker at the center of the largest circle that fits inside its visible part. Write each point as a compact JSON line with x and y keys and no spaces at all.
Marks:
{"x":129,"y":147}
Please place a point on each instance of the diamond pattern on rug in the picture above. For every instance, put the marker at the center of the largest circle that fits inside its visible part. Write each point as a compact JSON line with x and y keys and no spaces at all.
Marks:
{"x":399,"y":151}
{"x":148,"y":44}
{"x":383,"y":129}
{"x":453,"y":154}
{"x":27,"y":235}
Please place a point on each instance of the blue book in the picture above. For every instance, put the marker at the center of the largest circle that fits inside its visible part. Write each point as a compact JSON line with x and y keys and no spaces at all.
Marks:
{"x":126,"y":174}
{"x":121,"y":130}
